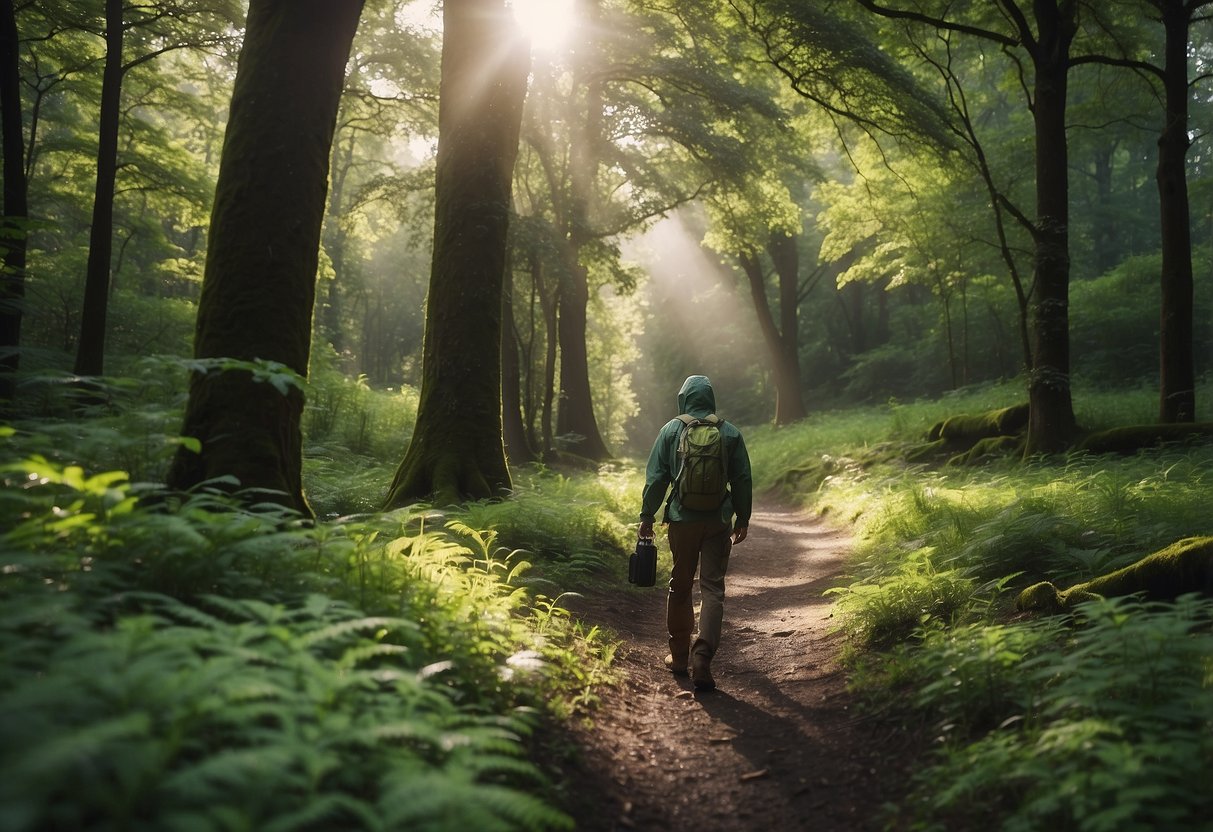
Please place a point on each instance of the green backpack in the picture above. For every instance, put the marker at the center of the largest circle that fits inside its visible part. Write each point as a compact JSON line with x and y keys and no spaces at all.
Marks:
{"x":703,"y":473}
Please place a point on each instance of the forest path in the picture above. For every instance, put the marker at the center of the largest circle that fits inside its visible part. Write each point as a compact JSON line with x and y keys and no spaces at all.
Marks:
{"x":777,"y":745}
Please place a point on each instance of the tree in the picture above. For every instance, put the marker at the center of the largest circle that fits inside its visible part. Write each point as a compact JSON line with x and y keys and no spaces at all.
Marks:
{"x":646,"y":120}
{"x":90,"y":349}
{"x":166,"y":27}
{"x":456,"y":452}
{"x":13,"y":233}
{"x":1177,"y":371}
{"x":259,"y":287}
{"x":1046,"y":36}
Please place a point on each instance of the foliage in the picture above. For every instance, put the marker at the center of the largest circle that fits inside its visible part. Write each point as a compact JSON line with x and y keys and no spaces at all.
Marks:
{"x":572,"y":527}
{"x":1097,"y":721}
{"x":1105,"y":726}
{"x":190,"y":664}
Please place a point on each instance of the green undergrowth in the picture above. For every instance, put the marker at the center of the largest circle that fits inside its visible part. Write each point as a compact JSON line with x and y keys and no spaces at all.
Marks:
{"x":194,"y":665}
{"x":1098,"y":720}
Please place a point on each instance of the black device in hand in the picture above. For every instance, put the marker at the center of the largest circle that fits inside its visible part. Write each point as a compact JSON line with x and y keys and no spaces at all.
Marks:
{"x":642,"y":565}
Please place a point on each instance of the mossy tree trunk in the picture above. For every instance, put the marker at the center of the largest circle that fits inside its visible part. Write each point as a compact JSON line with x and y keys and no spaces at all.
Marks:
{"x":1177,"y":371}
{"x":517,"y":441}
{"x":90,"y":349}
{"x":781,"y":339}
{"x":457,"y":452}
{"x":575,"y":416}
{"x":259,"y":284}
{"x":13,"y":223}
{"x":1051,"y":425}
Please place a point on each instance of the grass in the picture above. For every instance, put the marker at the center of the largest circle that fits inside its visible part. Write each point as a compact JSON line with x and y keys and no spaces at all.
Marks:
{"x":194,"y":665}
{"x":1102,"y":720}
{"x":185,"y":663}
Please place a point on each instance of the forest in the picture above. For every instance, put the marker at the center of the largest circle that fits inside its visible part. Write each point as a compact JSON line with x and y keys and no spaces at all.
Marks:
{"x":335,"y":336}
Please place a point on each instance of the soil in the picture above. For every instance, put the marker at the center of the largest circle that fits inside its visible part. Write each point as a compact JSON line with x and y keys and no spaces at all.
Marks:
{"x":779,"y":745}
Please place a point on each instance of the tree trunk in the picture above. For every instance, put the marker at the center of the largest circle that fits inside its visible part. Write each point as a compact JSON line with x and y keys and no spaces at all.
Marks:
{"x":457,"y":451}
{"x":13,"y":230}
{"x":789,"y":404}
{"x":575,"y":416}
{"x":90,"y":350}
{"x":1051,"y":424}
{"x":1177,"y":372}
{"x":549,"y":301}
{"x":258,"y":290}
{"x":336,"y":240}
{"x":781,"y":348}
{"x":517,"y":447}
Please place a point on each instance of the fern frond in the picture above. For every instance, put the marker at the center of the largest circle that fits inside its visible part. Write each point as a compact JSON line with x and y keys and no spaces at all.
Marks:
{"x":345,"y":629}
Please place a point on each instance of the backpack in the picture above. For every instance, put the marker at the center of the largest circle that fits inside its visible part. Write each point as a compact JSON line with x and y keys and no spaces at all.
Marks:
{"x":703,"y":473}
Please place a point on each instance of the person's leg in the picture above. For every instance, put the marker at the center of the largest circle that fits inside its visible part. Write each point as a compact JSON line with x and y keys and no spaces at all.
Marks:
{"x":713,"y":564}
{"x":679,"y":609}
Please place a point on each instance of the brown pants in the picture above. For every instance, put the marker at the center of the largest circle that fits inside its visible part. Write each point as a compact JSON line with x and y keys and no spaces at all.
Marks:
{"x":704,"y":545}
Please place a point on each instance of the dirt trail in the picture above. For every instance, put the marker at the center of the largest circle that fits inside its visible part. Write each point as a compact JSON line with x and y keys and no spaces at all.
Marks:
{"x":777,"y":746}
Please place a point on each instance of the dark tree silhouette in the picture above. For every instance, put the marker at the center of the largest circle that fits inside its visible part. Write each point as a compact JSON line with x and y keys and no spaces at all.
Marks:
{"x":12,"y":224}
{"x":456,"y":452}
{"x":259,"y":286}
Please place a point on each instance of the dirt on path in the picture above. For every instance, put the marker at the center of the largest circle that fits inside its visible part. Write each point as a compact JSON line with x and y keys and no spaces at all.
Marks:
{"x":778,"y":745}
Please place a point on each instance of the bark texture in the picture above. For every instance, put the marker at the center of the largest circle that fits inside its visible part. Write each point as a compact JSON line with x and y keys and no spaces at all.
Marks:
{"x":1177,"y":370}
{"x":517,"y":444}
{"x":781,"y":339}
{"x":1051,"y":425}
{"x":259,"y":286}
{"x":16,"y":210}
{"x":457,"y":452}
{"x":575,"y":417}
{"x":90,"y":350}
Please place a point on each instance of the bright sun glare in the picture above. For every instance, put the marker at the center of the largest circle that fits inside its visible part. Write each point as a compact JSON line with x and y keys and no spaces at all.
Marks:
{"x":545,"y":22}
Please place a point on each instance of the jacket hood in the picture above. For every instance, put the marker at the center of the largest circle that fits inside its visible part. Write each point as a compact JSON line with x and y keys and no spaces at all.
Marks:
{"x":696,"y":398}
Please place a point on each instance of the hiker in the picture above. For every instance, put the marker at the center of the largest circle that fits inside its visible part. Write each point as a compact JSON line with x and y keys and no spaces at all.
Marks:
{"x":705,"y":460}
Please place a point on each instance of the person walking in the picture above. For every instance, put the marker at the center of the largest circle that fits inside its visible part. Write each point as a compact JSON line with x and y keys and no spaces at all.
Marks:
{"x":702,"y":462}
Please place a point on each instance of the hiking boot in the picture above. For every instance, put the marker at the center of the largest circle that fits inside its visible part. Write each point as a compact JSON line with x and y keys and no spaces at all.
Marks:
{"x":676,"y":667}
{"x":701,"y":672}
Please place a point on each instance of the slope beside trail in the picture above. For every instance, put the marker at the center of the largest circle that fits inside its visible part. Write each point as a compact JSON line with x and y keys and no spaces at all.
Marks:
{"x":778,"y":745}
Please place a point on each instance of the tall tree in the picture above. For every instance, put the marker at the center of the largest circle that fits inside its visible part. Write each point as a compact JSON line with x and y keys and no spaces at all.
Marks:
{"x":90,"y":350}
{"x":456,"y":452}
{"x":13,"y":229}
{"x":162,"y":27}
{"x":1045,"y":34}
{"x":259,"y":287}
{"x":782,"y":337}
{"x":1177,"y":369}
{"x":649,"y":121}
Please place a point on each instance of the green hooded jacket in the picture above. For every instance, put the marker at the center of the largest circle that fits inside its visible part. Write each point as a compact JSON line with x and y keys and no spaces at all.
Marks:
{"x":696,"y":398}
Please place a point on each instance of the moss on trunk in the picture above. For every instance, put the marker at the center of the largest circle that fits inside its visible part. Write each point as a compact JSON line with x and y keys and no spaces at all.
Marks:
{"x":456,"y":452}
{"x":1183,"y":567}
{"x":259,"y":287}
{"x":1133,"y":438}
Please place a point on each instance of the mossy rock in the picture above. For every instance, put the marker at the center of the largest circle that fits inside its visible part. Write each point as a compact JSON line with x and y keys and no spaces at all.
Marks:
{"x":992,"y":447}
{"x":1184,"y":566}
{"x":1133,"y":438}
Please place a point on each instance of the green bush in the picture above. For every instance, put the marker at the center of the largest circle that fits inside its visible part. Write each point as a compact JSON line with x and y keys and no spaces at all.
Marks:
{"x":193,"y":665}
{"x":1108,"y":726}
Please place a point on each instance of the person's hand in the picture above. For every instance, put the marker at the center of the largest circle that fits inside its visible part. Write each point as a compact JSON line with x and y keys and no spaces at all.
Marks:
{"x":646,"y":530}
{"x":739,"y":534}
